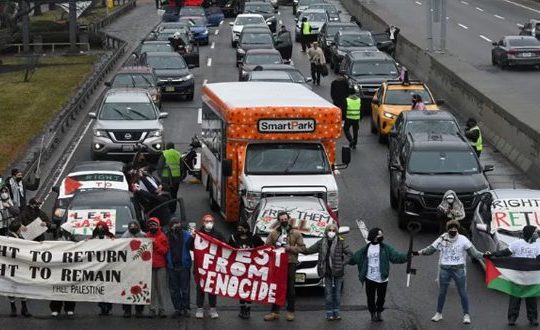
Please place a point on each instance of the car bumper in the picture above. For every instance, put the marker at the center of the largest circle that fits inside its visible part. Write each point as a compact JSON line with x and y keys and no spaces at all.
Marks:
{"x":307,"y":277}
{"x":201,"y":38}
{"x":386,"y":124}
{"x":154,"y":146}
{"x":182,"y":88}
{"x":524,"y":61}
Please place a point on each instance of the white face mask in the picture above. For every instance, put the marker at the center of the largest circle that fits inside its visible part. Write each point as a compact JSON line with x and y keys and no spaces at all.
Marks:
{"x":4,"y":196}
{"x":331,"y":234}
{"x":209,"y":226}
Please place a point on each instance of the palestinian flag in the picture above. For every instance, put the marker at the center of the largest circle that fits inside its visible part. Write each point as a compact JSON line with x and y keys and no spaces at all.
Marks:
{"x":518,"y":277}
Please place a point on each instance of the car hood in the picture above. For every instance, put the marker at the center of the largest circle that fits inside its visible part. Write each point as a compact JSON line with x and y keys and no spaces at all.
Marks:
{"x":397,"y":109}
{"x":171,"y":73}
{"x":314,"y":25}
{"x":354,"y":48}
{"x":246,"y":47}
{"x":372,"y":79}
{"x":439,"y":184}
{"x":291,"y":183}
{"x":134,"y":125}
{"x":198,"y":29}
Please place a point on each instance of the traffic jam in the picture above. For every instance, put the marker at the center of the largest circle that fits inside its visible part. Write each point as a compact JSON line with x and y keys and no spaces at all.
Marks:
{"x":270,"y":156}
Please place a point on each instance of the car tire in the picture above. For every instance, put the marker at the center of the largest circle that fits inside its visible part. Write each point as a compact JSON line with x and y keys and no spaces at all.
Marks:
{"x":503,"y":64}
{"x":493,"y":60}
{"x":382,"y":138}
{"x":189,"y":97}
{"x":213,"y":205}
{"x":393,"y":200}
{"x":402,"y":217}
{"x":233,"y":44}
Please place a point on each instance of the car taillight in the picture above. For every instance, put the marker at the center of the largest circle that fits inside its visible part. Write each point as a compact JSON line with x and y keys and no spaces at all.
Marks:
{"x":513,"y":51}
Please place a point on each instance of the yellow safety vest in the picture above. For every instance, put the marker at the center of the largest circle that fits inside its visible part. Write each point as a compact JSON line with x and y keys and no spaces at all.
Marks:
{"x":478,"y":144}
{"x":353,"y":108}
{"x":172,"y":163}
{"x":306,"y":29}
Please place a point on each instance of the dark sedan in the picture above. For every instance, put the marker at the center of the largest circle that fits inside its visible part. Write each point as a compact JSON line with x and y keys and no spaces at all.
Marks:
{"x":346,"y":42}
{"x":329,"y":31}
{"x":333,"y":12}
{"x":253,"y":37}
{"x":265,"y":9}
{"x":516,"y":50}
{"x":255,"y":57}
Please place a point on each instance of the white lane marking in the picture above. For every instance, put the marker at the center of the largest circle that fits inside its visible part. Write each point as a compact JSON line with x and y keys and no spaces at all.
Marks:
{"x":205,"y":81}
{"x":447,"y":17}
{"x":499,"y":17}
{"x":418,"y":3}
{"x":479,"y":9}
{"x":363,"y":228}
{"x":486,"y":38}
{"x":220,"y":23}
{"x":520,"y":25}
{"x":523,"y":6}
{"x":68,"y":160}
{"x":209,"y":62}
{"x":463,"y":26}
{"x":216,"y":33}
{"x":199,"y":116}
{"x":280,"y":22}
{"x":278,"y":13}
{"x":464,"y":2}
{"x":213,"y":45}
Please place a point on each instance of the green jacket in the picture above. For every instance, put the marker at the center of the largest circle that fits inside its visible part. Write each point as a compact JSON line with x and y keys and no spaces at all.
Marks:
{"x":388,"y":255}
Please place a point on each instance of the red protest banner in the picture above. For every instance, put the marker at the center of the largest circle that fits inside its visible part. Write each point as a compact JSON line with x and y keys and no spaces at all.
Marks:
{"x":258,"y":274}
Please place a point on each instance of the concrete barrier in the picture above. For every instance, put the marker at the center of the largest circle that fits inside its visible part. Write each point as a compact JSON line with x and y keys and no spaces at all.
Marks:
{"x":455,"y":81}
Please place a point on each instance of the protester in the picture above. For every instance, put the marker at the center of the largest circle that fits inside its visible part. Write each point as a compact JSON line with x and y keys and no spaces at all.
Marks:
{"x":417,"y":103}
{"x":392,"y":32}
{"x":525,"y":247}
{"x":305,"y":33}
{"x":14,"y":231}
{"x":160,"y":248}
{"x":8,"y":211}
{"x":179,"y":267}
{"x":56,"y":305}
{"x":18,"y":187}
{"x":244,"y":239}
{"x":339,"y":91}
{"x":169,"y":168}
{"x":291,"y":239}
{"x":284,"y":43}
{"x":474,"y":135}
{"x":355,"y":21}
{"x":453,"y":248}
{"x":207,"y":227}
{"x":373,"y":262}
{"x":334,"y":254}
{"x":154,"y":203}
{"x":450,"y":208}
{"x":134,"y":231}
{"x":101,"y":231}
{"x":177,"y":43}
{"x":316,"y":60}
{"x":31,"y":212}
{"x":352,"y":119}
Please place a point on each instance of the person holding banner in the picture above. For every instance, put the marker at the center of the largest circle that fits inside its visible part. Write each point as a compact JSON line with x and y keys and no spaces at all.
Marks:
{"x":179,"y":267}
{"x":56,"y":305}
{"x":373,"y":262}
{"x":160,"y":248}
{"x":334,"y":254}
{"x":207,"y":227}
{"x":291,"y":239}
{"x":453,"y":249}
{"x":14,"y":231}
{"x":134,"y":231}
{"x":244,"y":239}
{"x":101,"y":231}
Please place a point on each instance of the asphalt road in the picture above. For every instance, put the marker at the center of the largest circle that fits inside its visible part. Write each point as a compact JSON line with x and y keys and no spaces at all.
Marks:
{"x":364,"y":195}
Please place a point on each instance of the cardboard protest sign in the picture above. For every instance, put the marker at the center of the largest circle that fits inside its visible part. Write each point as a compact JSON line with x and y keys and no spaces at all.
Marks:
{"x":307,"y":221}
{"x":83,"y":222}
{"x":258,"y":274}
{"x":100,"y":270}
{"x":514,"y":214}
{"x":34,"y":229}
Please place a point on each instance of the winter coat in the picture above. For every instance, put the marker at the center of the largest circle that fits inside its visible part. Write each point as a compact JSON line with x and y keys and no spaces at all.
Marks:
{"x":29,"y":214}
{"x":17,"y":190}
{"x":252,"y":241}
{"x":387,"y":255}
{"x":456,"y":211}
{"x":294,"y":239}
{"x":186,"y":255}
{"x":8,"y":213}
{"x":160,"y":247}
{"x":340,"y":255}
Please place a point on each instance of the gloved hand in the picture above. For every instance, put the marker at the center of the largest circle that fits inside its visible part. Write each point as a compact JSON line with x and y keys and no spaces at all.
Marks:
{"x":415,"y":253}
{"x":487,"y":255}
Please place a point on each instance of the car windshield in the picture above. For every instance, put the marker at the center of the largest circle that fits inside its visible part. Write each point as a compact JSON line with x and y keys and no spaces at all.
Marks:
{"x":328,"y":7}
{"x":164,"y":36}
{"x":449,"y":162}
{"x":263,"y":59}
{"x":308,"y":2}
{"x":256,"y":39}
{"x":371,"y":68}
{"x":524,"y":42}
{"x":166,"y":62}
{"x":195,"y":21}
{"x":213,"y":10}
{"x":262,"y":8}
{"x":286,"y":158}
{"x":315,"y":17}
{"x":356,"y":40}
{"x":332,"y":30}
{"x":191,"y":11}
{"x":152,"y":48}
{"x":134,"y":80}
{"x":128,"y":111}
{"x":432,"y":126}
{"x":249,"y":20}
{"x":123,"y":214}
{"x":310,"y":222}
{"x":404,"y":97}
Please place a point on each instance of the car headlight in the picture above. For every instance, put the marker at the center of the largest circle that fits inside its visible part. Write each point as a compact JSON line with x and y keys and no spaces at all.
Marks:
{"x":356,"y":88}
{"x":155,"y":133}
{"x":328,"y":43}
{"x":332,"y":199}
{"x":295,"y":2}
{"x":411,"y":191}
{"x":389,"y":115}
{"x":241,"y":51}
{"x":269,"y":19}
{"x":252,"y":198}
{"x":189,"y":76}
{"x":205,"y":32}
{"x":59,"y":212}
{"x":100,"y":133}
{"x":480,"y":192}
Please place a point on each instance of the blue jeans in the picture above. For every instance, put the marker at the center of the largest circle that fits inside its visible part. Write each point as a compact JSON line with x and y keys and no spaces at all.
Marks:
{"x":332,"y":292}
{"x":179,"y":284}
{"x":458,"y":275}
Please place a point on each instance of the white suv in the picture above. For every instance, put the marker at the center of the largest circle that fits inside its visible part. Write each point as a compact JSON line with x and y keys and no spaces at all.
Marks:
{"x":240,"y":21}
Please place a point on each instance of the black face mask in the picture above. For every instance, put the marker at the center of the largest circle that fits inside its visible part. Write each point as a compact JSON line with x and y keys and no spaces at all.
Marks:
{"x":452,"y":233}
{"x":134,"y":231}
{"x":177,"y":230}
{"x":241,"y":232}
{"x":100,"y":232}
{"x":153,"y":230}
{"x":18,"y":179}
{"x":380,"y":239}
{"x":284,"y":223}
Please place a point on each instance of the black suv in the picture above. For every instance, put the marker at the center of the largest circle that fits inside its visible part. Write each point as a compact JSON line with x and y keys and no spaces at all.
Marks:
{"x":346,"y":42}
{"x":328,"y":32}
{"x":430,"y":164}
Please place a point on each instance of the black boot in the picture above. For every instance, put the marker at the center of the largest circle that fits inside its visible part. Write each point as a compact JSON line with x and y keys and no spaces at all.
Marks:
{"x":242,"y":312}
{"x":379,"y":318}
{"x":373,"y":317}
{"x":24,"y":310}
{"x":13,"y":310}
{"x":248,"y":311}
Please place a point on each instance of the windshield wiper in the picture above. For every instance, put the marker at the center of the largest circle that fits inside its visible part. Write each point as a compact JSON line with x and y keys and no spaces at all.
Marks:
{"x":291,"y":166}
{"x":133,"y":80}
{"x":140,"y":114}
{"x":147,"y":81}
{"x":121,"y":114}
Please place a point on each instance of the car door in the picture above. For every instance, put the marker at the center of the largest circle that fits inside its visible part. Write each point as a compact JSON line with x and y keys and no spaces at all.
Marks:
{"x":393,"y":138}
{"x":376,"y":103}
{"x":498,"y":50}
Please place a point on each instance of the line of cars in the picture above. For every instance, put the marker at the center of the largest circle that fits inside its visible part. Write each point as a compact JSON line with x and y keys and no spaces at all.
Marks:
{"x":519,"y":50}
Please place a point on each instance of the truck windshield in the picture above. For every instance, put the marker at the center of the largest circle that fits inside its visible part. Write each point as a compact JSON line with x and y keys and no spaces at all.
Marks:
{"x":287,"y":158}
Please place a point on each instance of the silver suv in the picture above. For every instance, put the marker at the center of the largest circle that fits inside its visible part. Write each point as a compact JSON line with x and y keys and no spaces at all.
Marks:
{"x":127,"y":120}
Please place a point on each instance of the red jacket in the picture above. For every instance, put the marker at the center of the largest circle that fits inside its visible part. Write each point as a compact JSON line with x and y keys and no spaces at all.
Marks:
{"x":160,"y":248}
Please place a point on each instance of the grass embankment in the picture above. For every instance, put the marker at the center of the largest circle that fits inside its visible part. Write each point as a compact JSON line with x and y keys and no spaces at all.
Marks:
{"x":26,"y":107}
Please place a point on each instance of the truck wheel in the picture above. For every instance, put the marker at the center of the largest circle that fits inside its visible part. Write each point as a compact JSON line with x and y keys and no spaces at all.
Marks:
{"x":213,"y":205}
{"x":393,"y":200}
{"x":402,"y":217}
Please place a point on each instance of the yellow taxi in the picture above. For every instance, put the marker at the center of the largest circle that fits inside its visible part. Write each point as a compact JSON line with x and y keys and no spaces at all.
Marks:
{"x":394,"y":97}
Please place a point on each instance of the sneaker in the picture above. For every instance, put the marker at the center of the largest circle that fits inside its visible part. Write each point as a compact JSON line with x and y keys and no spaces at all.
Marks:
{"x":289,"y":316}
{"x":437,"y":317}
{"x":199,"y":313}
{"x":54,"y":314}
{"x":176,"y":314}
{"x":213,"y":313}
{"x":272,"y":316}
{"x":330,"y":317}
{"x":70,"y":313}
{"x":466,"y":319}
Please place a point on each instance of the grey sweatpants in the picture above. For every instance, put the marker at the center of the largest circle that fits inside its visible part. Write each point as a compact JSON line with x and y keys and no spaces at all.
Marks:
{"x":159,"y":287}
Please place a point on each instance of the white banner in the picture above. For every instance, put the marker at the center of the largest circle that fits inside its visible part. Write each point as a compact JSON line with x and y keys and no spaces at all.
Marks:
{"x":83,"y":222}
{"x":99,"y":270}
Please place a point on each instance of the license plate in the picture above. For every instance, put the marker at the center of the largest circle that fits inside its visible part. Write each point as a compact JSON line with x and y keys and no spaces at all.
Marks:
{"x":300,"y":278}
{"x":526,"y":54}
{"x":169,"y":88}
{"x":128,"y":147}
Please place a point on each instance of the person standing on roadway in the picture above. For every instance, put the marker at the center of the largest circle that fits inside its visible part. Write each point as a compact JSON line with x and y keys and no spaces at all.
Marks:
{"x":338,"y":92}
{"x":291,"y":239}
{"x":474,"y":135}
{"x":317,"y":60}
{"x":134,"y":231}
{"x":18,"y":187}
{"x":169,"y":168}
{"x":334,"y":254}
{"x":101,"y":231}
{"x":522,"y":248}
{"x":352,"y":119}
{"x":453,"y":248}
{"x":31,"y":212}
{"x":305,"y":33}
{"x":160,"y":248}
{"x":56,"y":305}
{"x":373,"y":262}
{"x":14,"y":231}
{"x":8,"y":211}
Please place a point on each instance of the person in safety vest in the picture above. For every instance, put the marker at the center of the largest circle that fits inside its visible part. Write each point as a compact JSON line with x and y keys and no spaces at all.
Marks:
{"x":472,"y":132}
{"x":352,"y":119}
{"x":169,"y":169}
{"x":305,"y":33}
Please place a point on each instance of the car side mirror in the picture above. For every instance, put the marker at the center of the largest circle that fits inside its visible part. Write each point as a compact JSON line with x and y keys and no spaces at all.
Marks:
{"x":482,"y":227}
{"x":191,"y":66}
{"x":231,"y":23}
{"x":439,"y":102}
{"x":396,"y":167}
{"x":108,"y":83}
{"x":226,"y":168}
{"x":92,"y":115}
{"x":344,"y":230}
{"x":339,"y":11}
{"x":163,"y":115}
{"x":488,"y":168}
{"x":55,"y":189}
{"x":296,"y":19}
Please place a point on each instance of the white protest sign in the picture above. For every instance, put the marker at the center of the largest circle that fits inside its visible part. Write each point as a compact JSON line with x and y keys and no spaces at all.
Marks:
{"x":514,"y":214}
{"x":83,"y":222}
{"x":34,"y":229}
